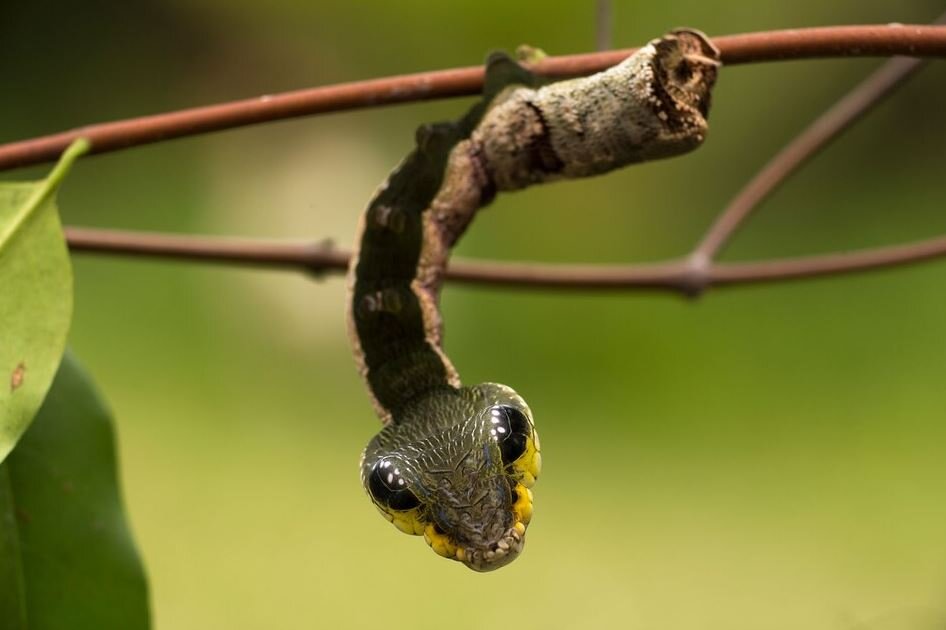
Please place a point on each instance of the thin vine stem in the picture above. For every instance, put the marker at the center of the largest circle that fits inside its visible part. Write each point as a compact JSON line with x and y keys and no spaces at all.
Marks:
{"x":674,"y":276}
{"x":833,"y":41}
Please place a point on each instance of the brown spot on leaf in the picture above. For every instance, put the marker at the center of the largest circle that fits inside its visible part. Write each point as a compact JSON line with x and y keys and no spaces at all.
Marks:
{"x":16,"y":379}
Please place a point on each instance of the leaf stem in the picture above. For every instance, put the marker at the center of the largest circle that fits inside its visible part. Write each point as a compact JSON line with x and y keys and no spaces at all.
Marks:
{"x":46,"y":187}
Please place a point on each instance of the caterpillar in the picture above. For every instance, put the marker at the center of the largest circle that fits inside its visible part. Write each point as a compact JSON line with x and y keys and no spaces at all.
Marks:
{"x":456,"y":463}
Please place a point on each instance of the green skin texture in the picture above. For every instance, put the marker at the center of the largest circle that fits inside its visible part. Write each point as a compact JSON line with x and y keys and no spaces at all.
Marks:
{"x":445,"y":453}
{"x":437,"y":433}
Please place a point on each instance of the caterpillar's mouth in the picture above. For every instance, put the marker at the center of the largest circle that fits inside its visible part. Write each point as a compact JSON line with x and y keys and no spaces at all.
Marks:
{"x":492,"y":556}
{"x":499,"y":554}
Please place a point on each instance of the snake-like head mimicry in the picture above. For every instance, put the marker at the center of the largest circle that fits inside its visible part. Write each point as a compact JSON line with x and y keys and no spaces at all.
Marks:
{"x":459,"y":473}
{"x":456,"y":464}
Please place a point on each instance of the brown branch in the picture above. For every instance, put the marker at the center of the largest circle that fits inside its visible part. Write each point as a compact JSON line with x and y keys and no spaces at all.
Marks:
{"x":313,"y":257}
{"x":836,"y":41}
{"x":688,"y":276}
{"x":675,"y":276}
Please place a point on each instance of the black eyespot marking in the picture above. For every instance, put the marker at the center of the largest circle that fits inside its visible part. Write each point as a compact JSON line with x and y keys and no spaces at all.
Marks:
{"x":511,"y":429}
{"x":388,"y":487}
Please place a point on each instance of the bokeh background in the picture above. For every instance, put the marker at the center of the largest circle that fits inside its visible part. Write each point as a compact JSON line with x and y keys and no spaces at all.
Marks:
{"x":767,"y":457}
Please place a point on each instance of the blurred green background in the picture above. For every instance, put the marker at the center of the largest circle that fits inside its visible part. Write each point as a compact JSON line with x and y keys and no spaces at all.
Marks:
{"x":768,"y":457}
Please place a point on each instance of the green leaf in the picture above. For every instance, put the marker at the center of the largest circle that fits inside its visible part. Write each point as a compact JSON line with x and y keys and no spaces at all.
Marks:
{"x":35,"y":296}
{"x":67,"y":559}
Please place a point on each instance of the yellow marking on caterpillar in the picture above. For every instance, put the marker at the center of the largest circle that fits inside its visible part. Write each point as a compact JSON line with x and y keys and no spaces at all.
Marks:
{"x":523,"y":505}
{"x":526,"y":469}
{"x":441,"y":543}
{"x":408,"y":522}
